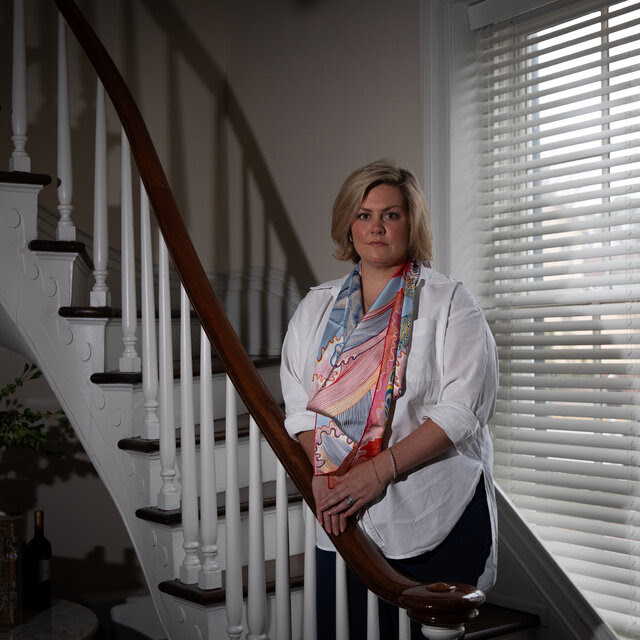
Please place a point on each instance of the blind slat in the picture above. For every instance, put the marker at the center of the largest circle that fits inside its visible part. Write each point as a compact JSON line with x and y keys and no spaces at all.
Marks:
{"x":570,"y":225}
{"x":610,"y":456}
{"x":628,"y":263}
{"x":610,"y":500}
{"x":578,"y":283}
{"x":559,"y":382}
{"x":565,"y":438}
{"x":591,"y":425}
{"x":508,"y":460}
{"x":569,"y":297}
{"x":606,"y":519}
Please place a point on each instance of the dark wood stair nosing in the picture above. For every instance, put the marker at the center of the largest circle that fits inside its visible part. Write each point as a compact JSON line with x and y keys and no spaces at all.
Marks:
{"x":210,"y":597}
{"x":25,"y":177}
{"x":77,"y":311}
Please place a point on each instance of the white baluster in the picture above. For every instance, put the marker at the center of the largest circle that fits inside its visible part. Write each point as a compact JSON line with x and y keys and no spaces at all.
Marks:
{"x":283,"y":597}
{"x":373,"y":623}
{"x":168,"y":496}
{"x":342,"y":604}
{"x":149,"y":344}
{"x":257,"y":595}
{"x":232,"y":518}
{"x":309,"y":601}
{"x":442,"y":633}
{"x":210,"y":575}
{"x":404,"y":625}
{"x":100,"y":295}
{"x":191,"y":564}
{"x":19,"y":160}
{"x":129,"y":360}
{"x":66,"y":229}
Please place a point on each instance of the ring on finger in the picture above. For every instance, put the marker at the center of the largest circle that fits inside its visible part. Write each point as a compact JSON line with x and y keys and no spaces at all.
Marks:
{"x":350,"y":501}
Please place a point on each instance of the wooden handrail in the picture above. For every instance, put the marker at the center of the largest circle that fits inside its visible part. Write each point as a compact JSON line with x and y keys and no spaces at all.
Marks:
{"x":439,"y":605}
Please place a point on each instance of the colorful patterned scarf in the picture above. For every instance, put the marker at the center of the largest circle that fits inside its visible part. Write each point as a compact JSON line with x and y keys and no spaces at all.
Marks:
{"x":360,"y":369}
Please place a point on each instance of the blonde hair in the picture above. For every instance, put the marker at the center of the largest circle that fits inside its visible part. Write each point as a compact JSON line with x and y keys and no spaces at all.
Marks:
{"x":355,"y":189}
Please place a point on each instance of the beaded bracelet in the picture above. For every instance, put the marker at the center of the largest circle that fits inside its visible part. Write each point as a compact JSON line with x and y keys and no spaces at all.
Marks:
{"x":393,"y":463}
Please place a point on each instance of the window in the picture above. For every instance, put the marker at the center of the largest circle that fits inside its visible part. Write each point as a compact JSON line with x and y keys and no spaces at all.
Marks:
{"x":560,"y":201}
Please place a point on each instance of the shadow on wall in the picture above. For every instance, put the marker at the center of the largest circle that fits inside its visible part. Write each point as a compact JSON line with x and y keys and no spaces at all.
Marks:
{"x":22,"y":471}
{"x":183,"y":44}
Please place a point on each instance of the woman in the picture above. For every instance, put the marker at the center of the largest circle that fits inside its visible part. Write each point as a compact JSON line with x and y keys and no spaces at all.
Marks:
{"x":389,"y":378}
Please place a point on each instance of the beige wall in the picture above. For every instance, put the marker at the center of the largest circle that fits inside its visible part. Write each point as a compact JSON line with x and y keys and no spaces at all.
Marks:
{"x":258,"y":109}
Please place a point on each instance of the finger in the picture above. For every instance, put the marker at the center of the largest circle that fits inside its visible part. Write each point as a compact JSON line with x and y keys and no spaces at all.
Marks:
{"x":326,"y":522}
{"x":335,"y":523}
{"x":343,"y":522}
{"x":334,"y":499}
{"x":346,"y":507}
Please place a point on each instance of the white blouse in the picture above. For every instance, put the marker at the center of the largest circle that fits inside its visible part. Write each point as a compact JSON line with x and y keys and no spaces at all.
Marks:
{"x":452,"y":378}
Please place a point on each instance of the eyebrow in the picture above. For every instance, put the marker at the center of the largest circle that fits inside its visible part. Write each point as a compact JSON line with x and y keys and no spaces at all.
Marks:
{"x":393,"y":206}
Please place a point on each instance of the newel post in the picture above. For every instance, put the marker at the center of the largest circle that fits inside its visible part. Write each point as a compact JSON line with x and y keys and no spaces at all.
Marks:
{"x":451,"y":605}
{"x":442,"y":633}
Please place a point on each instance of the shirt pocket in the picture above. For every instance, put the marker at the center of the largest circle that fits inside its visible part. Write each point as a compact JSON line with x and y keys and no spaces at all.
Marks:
{"x":422,"y":362}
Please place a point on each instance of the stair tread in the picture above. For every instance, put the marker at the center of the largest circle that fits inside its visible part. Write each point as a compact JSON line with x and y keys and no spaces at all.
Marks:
{"x":173,"y":517}
{"x":209,"y":597}
{"x":494,"y":620}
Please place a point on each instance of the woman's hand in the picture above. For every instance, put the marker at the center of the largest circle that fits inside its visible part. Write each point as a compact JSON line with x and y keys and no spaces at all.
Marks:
{"x":321,"y":490}
{"x":353,"y":491}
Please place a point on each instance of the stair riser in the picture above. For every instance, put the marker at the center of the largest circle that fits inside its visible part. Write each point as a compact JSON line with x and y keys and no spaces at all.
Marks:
{"x":114,"y":346}
{"x":270,"y":375}
{"x":211,"y":623}
{"x":169,"y":553}
{"x":147,"y":469}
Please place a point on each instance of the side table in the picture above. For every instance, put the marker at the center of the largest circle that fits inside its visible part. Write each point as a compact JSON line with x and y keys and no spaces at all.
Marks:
{"x":63,"y":621}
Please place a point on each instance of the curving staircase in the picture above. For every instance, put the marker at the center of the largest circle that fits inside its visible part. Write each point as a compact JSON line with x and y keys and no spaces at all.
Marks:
{"x":192,"y":448}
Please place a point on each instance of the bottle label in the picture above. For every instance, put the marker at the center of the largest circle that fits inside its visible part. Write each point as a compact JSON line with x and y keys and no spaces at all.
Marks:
{"x":44,"y":570}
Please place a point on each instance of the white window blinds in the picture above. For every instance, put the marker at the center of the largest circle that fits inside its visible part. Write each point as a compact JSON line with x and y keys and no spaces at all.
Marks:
{"x":560,"y":197}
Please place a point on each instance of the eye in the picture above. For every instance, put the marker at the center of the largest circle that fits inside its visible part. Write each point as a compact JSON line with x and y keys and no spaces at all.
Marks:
{"x":363,"y":215}
{"x":392,"y":215}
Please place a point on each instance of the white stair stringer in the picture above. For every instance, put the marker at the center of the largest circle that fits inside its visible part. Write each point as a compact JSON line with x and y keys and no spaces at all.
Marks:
{"x":35,"y":285}
{"x":33,"y":289}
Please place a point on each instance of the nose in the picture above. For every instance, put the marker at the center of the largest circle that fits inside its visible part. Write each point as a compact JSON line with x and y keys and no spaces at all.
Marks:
{"x":377,"y":226}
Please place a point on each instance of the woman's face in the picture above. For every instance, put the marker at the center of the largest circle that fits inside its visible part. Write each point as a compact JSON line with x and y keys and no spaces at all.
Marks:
{"x":381,"y":229}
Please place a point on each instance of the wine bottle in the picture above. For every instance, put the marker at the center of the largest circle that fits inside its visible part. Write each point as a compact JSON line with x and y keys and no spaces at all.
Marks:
{"x":38,"y":567}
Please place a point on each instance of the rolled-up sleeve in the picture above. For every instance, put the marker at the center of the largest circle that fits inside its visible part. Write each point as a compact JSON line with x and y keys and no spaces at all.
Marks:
{"x":292,"y":368}
{"x":469,"y":380}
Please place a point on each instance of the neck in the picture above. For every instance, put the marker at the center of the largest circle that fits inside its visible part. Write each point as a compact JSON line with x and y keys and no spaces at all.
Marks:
{"x":374,"y":280}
